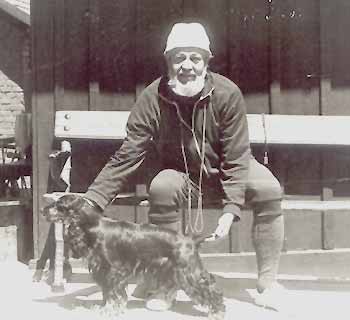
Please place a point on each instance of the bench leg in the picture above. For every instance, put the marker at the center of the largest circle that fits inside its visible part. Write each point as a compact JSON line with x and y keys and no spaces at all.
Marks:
{"x":58,"y":283}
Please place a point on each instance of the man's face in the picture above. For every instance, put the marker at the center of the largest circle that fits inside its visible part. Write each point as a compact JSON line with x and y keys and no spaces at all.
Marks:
{"x":187,"y":68}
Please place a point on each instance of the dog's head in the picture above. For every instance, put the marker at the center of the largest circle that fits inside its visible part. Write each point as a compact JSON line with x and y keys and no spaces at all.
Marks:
{"x":65,"y":209}
{"x":69,"y":209}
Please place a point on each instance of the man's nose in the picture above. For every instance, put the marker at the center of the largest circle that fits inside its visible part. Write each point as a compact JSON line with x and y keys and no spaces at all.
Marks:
{"x":187,"y":64}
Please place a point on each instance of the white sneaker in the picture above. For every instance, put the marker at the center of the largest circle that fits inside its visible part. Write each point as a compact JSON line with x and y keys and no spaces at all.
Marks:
{"x":274,"y":297}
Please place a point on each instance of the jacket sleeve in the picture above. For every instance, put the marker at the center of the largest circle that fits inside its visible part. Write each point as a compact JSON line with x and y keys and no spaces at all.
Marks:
{"x":235,"y":153}
{"x":129,"y":157}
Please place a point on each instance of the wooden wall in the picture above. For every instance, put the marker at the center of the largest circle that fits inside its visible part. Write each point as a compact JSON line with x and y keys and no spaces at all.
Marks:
{"x":288,"y":57}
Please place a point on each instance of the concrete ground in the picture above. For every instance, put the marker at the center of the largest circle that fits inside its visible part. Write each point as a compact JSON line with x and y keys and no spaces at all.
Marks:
{"x":20,"y":297}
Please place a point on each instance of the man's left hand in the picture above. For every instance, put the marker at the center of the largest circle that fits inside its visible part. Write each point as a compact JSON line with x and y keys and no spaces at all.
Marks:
{"x":223,"y":227}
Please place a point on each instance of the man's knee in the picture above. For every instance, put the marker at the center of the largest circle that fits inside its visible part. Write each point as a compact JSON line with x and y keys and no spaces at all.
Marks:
{"x":262,"y":185}
{"x":166,"y":195}
{"x":167,"y":189}
{"x":267,"y":208}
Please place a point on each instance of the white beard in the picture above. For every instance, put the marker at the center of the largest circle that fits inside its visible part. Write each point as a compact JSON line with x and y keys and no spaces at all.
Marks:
{"x":190,"y":89}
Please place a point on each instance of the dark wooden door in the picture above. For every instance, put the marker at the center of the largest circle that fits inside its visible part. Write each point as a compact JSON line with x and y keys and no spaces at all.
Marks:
{"x":288,"y":57}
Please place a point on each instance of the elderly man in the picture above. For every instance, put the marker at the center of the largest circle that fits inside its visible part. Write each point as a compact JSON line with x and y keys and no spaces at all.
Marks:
{"x":196,"y":119}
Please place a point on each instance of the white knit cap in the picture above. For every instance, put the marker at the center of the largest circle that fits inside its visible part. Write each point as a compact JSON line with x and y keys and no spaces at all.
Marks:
{"x":188,"y":35}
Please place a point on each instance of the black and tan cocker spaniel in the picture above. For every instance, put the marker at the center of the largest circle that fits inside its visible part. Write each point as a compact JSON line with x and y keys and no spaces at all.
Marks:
{"x":118,"y":251}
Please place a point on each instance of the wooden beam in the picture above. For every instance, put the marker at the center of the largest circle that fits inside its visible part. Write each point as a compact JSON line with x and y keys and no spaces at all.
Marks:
{"x":59,"y":52}
{"x":326,"y":264}
{"x":15,"y":12}
{"x":273,"y":129}
{"x":273,"y":19}
{"x":42,"y":110}
{"x":94,"y":65}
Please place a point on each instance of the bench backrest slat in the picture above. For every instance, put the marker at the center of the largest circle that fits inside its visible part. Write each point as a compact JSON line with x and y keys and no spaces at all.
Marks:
{"x":274,"y":129}
{"x":91,"y":124}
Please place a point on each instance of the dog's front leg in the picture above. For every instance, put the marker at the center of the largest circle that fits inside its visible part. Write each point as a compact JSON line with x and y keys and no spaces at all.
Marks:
{"x":114,"y":293}
{"x":114,"y":301}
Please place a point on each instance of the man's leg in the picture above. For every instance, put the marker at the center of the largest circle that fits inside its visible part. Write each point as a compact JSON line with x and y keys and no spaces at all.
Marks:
{"x":265,"y":194}
{"x":167,"y":194}
{"x":267,"y":236}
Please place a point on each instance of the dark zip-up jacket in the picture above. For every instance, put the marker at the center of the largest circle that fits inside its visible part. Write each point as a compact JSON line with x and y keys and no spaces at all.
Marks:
{"x":157,"y":118}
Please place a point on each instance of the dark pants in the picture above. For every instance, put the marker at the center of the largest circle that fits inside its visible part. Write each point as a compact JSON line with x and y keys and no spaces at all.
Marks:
{"x":169,"y":193}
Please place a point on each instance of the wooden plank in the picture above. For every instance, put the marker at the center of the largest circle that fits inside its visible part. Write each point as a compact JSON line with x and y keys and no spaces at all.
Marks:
{"x":15,"y":12}
{"x":94,"y":61}
{"x":59,"y":51}
{"x":333,"y":264}
{"x":27,"y":72}
{"x":43,"y":110}
{"x":294,"y":205}
{"x":10,"y":203}
{"x":327,"y":194}
{"x":277,"y":129}
{"x":341,"y":225}
{"x":76,"y":55}
{"x":335,"y":50}
{"x":116,"y":54}
{"x":334,"y":100}
{"x":325,"y":57}
{"x":153,"y":24}
{"x":91,"y":125}
{"x":213,"y":15}
{"x":274,"y":22}
{"x":306,"y":222}
{"x":234,"y":41}
{"x":252,"y":33}
{"x":298,"y":23}
{"x":302,"y":129}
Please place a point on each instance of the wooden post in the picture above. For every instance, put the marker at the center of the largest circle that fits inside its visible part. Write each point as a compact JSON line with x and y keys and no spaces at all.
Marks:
{"x":328,"y":222}
{"x":58,"y":283}
{"x":42,"y":111}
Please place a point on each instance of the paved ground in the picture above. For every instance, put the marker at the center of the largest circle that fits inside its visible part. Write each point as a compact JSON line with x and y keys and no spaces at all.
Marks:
{"x":20,"y":297}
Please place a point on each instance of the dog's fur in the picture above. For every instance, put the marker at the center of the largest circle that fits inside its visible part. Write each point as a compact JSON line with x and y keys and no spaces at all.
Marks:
{"x":118,"y":251}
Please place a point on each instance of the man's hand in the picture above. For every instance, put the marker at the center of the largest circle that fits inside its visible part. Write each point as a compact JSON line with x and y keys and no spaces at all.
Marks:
{"x":223,"y":227}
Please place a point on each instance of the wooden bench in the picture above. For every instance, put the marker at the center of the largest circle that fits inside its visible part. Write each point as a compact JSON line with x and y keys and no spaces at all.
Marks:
{"x":263,"y":130}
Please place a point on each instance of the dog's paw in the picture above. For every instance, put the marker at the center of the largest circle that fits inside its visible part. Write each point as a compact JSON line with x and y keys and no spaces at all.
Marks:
{"x":112,"y":310}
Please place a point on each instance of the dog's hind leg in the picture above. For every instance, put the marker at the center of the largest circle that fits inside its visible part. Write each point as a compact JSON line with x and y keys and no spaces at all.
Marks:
{"x":166,"y":286}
